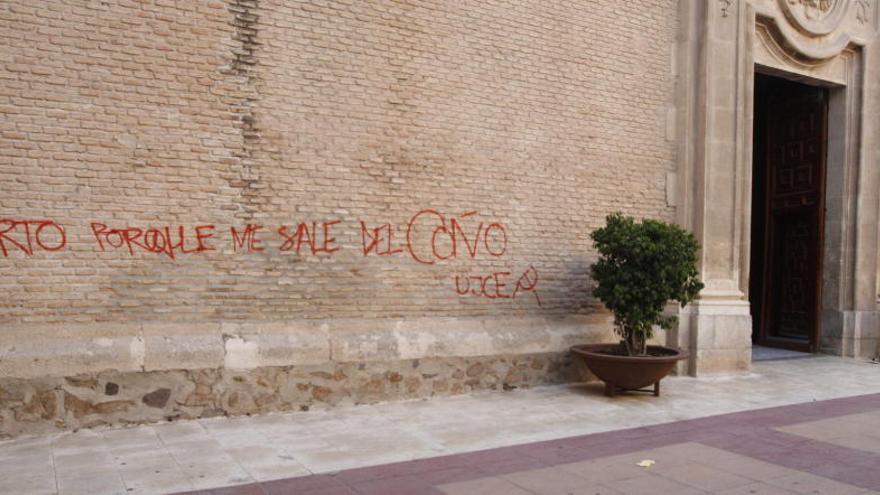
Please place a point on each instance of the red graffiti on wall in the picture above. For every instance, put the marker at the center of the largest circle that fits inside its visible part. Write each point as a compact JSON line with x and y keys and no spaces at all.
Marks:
{"x":429,"y":237}
{"x":447,"y":236}
{"x":247,"y":240}
{"x":29,"y":236}
{"x":432,"y":237}
{"x":318,"y":242}
{"x":162,"y":240}
{"x":492,"y":286}
{"x":378,"y":240}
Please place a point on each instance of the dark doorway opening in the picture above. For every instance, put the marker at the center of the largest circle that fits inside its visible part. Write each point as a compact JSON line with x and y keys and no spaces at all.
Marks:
{"x":788,"y":211}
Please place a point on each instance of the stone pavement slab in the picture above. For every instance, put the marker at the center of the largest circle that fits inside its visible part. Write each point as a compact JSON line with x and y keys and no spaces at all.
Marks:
{"x":297,"y":452}
{"x":714,"y":455}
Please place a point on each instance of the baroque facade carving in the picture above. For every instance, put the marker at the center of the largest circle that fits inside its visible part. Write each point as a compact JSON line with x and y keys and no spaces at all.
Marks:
{"x":725,"y":7}
{"x":863,"y":8}
{"x":815,"y":17}
{"x":813,"y":32}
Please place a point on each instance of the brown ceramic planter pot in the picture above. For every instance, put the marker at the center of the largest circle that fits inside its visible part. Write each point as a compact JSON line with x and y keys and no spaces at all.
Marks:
{"x":629,"y":372}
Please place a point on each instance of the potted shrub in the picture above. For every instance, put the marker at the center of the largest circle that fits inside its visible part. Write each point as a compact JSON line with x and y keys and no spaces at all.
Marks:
{"x":642,"y":266}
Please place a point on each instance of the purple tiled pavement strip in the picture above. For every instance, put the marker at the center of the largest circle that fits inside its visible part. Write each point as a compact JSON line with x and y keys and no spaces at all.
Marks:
{"x":748,"y":433}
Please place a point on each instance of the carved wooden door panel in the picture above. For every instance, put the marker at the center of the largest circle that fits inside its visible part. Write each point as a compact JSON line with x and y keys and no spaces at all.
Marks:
{"x":796,"y":150}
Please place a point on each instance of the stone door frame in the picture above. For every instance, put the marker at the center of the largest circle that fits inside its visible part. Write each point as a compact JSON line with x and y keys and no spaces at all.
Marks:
{"x":721,"y":44}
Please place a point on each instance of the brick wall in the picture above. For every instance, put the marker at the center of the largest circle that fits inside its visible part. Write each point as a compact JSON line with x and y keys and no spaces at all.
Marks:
{"x":541,"y":117}
{"x":420,"y":178}
{"x":115,"y":111}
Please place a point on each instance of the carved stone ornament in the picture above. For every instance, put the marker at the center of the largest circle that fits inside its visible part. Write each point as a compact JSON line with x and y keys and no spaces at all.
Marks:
{"x":863,"y":10}
{"x":815,"y":17}
{"x":725,"y":7}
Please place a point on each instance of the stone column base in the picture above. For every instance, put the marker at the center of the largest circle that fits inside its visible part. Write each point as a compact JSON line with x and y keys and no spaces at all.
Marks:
{"x":718,"y":335}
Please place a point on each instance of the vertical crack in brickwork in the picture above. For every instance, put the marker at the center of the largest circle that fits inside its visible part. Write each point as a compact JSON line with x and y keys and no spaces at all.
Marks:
{"x":242,"y":66}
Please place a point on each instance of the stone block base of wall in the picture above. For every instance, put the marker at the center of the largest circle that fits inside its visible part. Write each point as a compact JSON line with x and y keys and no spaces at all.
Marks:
{"x":850,"y":333}
{"x":43,"y":405}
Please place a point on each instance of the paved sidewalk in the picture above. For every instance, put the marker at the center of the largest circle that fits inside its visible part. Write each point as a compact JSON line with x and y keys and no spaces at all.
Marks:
{"x":248,"y":451}
{"x":768,"y":451}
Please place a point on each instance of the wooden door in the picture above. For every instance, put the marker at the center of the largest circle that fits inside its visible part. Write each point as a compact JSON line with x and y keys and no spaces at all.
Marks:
{"x":795,"y":210}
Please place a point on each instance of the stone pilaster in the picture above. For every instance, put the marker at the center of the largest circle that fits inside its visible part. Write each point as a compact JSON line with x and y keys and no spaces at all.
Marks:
{"x":715,"y":93}
{"x":720,"y":46}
